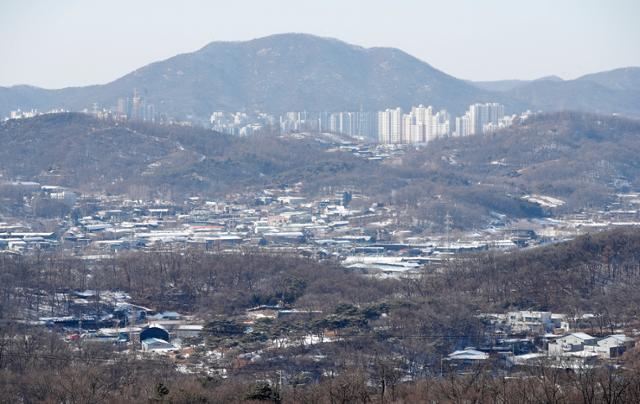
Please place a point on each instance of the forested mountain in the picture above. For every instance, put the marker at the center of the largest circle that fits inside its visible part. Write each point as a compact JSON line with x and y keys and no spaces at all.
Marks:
{"x":614,"y":91}
{"x":578,"y":95}
{"x":288,"y":72}
{"x":626,"y":78}
{"x":294,"y":72}
{"x":581,"y":159}
{"x":79,"y":151}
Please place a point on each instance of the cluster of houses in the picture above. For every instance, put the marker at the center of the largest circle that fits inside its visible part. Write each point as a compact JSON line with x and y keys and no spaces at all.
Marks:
{"x":365,"y":235}
{"x":519,"y":339}
{"x":526,"y":338}
{"x":93,"y":316}
{"x":99,"y":317}
{"x":18,"y":239}
{"x":515,"y":339}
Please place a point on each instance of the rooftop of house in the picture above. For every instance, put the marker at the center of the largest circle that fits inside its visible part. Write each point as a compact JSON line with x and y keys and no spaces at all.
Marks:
{"x":468,"y":354}
{"x":582,"y":335}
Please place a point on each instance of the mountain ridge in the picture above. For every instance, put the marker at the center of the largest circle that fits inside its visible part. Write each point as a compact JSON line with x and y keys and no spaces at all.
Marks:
{"x":289,"y":72}
{"x":613,"y":79}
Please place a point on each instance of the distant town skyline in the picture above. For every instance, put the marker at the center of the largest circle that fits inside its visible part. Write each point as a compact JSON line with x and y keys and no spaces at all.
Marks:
{"x":76,"y":43}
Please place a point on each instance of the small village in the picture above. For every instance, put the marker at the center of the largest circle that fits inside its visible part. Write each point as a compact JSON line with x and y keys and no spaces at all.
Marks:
{"x":511,"y":341}
{"x":363,"y":234}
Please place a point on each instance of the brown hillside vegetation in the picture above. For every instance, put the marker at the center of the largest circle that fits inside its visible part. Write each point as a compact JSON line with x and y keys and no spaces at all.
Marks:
{"x":389,"y":327}
{"x":581,"y":159}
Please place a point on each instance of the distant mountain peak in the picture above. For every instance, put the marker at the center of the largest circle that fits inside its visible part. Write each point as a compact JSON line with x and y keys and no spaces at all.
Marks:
{"x":283,"y":39}
{"x":550,"y":78}
{"x":279,"y":73}
{"x":299,"y":71}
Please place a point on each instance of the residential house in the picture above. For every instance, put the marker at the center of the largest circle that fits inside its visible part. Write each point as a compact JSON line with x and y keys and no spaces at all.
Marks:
{"x":574,"y":342}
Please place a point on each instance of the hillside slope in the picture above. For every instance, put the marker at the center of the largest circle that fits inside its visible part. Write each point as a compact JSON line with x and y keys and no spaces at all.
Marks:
{"x":580,"y":159}
{"x":626,"y":78}
{"x":610,"y":92}
{"x":79,"y":151}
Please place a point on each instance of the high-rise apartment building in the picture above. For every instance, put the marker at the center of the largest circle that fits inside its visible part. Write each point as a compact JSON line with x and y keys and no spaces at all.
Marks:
{"x":384,"y":127}
{"x":367,"y":125}
{"x":481,"y":115}
{"x":407,"y":122}
{"x":418,"y":126}
{"x":390,"y":126}
{"x":395,"y":125}
{"x":422,"y":125}
{"x":463,"y":125}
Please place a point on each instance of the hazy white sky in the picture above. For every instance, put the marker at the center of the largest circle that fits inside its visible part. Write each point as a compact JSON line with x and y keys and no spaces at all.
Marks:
{"x":72,"y":42}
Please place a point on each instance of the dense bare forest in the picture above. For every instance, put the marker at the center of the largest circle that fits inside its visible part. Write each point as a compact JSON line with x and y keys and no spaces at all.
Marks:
{"x":577,"y":273}
{"x":385,"y":328}
{"x":56,"y":375}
